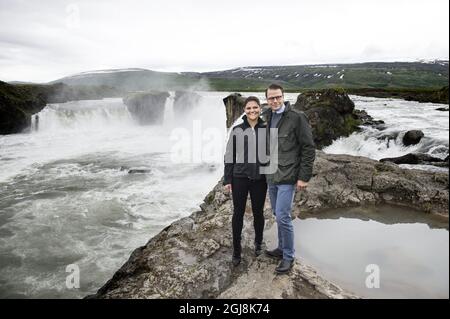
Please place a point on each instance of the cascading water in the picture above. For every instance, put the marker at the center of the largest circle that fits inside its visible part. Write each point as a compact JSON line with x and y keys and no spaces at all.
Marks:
{"x":67,"y":197}
{"x":399,"y":117}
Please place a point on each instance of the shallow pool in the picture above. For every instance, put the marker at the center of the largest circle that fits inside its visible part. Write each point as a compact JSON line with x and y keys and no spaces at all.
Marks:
{"x":376,"y":252}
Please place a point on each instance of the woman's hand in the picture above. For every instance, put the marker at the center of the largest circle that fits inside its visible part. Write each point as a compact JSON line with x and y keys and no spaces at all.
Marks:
{"x":228,"y":188}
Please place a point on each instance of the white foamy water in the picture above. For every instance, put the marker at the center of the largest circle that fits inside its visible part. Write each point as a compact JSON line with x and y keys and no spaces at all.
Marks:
{"x":66,"y":196}
{"x":399,"y":117}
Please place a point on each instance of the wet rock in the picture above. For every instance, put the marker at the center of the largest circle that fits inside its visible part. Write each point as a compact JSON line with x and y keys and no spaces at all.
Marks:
{"x":185,"y":101}
{"x":234,"y":107}
{"x":139,"y":171}
{"x":344,"y":180}
{"x":148,"y":107}
{"x":331,"y":114}
{"x":416,"y":158}
{"x":368,"y":120}
{"x":412,"y":137}
{"x":17,"y":105}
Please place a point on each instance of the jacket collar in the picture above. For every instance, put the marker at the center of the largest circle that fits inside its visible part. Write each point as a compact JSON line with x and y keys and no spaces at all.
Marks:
{"x":247,"y":124}
{"x":267,"y":114}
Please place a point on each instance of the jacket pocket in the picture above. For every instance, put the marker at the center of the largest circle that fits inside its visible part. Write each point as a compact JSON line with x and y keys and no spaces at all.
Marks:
{"x":286,"y":142}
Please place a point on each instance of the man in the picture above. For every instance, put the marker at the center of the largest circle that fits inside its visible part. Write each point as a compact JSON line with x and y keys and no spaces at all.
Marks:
{"x":296,"y":154}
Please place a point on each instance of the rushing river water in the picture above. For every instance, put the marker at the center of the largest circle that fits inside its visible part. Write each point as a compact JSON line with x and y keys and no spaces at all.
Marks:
{"x":67,"y":198}
{"x":399,"y":117}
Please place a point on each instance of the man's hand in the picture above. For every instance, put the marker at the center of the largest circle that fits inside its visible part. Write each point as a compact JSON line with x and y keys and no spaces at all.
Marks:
{"x":227,"y":188}
{"x":301,"y":185}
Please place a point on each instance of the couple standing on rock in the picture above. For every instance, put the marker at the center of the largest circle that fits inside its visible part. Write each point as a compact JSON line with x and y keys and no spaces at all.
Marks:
{"x":276,"y":154}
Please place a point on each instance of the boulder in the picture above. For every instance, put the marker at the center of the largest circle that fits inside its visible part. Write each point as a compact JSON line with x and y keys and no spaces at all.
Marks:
{"x":416,"y":158}
{"x":17,"y":105}
{"x":234,"y":107}
{"x":368,"y":120}
{"x":147,"y":107}
{"x":412,"y":137}
{"x":335,"y":98}
{"x":139,"y":171}
{"x":331,"y":114}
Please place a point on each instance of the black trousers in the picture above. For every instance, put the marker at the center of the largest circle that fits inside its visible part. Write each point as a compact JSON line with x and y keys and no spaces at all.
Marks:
{"x":241,"y":187}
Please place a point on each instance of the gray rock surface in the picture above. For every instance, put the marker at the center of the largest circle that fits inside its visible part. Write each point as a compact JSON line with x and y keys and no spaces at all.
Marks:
{"x":192,"y":257}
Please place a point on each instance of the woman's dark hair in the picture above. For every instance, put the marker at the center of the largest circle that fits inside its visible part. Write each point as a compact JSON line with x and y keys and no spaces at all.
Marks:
{"x":252,"y":98}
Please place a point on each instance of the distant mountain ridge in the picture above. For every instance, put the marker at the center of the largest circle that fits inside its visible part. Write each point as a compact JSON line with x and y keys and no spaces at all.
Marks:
{"x":379,"y":75}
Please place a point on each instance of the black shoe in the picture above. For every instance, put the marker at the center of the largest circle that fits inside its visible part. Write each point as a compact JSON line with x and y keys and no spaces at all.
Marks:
{"x":276,"y":253}
{"x":236,"y":261}
{"x":285,"y":266}
{"x":258,"y":250}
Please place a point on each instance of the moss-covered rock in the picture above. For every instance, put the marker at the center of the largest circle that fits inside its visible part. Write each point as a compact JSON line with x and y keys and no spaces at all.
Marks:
{"x":331,"y":114}
{"x":19,"y":102}
{"x":17,"y":105}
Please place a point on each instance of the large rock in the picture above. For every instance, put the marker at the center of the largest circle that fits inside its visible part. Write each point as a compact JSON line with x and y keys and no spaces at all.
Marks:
{"x":331,"y":115}
{"x":20,"y":101}
{"x":185,"y":101}
{"x":191,"y":257}
{"x":335,"y":98}
{"x":234,"y":107}
{"x":368,"y":120}
{"x":412,"y":137}
{"x":417,"y":158}
{"x":147,"y":107}
{"x":17,"y":105}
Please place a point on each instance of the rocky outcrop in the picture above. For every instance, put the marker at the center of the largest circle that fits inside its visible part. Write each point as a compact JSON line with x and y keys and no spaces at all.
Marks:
{"x":412,"y":137}
{"x":368,"y":120}
{"x":331,"y":114}
{"x":148,"y":107}
{"x":234,"y":107}
{"x":344,"y":180}
{"x":417,"y":158}
{"x":17,"y":105}
{"x":191,"y":257}
{"x":20,"y":101}
{"x":185,"y":101}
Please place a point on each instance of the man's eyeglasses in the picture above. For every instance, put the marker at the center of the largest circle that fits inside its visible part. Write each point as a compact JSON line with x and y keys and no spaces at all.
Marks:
{"x":273,"y":98}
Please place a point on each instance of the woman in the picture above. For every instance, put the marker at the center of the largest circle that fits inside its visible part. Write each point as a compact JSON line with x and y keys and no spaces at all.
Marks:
{"x":242,"y":175}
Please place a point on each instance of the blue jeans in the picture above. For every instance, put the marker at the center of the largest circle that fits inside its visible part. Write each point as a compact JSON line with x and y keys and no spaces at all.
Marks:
{"x":281,"y":198}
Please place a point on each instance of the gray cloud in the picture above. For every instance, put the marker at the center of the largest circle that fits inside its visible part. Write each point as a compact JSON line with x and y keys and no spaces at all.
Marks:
{"x":41,"y":41}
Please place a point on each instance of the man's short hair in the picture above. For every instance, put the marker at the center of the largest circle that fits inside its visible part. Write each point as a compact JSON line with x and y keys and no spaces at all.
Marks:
{"x":274,"y":86}
{"x":252,"y":98}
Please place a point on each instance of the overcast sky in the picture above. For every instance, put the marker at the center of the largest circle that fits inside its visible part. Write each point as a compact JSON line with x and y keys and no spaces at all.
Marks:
{"x":45,"y":40}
